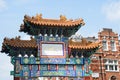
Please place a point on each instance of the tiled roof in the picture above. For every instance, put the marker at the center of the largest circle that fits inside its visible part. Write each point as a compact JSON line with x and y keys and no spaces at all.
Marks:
{"x":62,"y":22}
{"x":83,"y":44}
{"x":16,"y":42}
{"x":20,"y":43}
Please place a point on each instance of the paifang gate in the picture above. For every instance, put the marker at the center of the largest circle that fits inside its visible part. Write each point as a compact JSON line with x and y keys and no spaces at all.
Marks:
{"x":53,"y":53}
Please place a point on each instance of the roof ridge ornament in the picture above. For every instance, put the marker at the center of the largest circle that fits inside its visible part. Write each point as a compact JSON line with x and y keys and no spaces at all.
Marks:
{"x":76,"y":38}
{"x":17,"y":38}
{"x":27,"y":17}
{"x":63,"y":18}
{"x":31,"y":38}
{"x":38,"y":17}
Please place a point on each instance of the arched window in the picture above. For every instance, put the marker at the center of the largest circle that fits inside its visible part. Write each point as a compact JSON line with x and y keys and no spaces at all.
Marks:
{"x":113,"y":78}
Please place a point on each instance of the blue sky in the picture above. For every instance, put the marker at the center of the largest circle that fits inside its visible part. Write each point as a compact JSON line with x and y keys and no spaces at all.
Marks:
{"x":97,"y":14}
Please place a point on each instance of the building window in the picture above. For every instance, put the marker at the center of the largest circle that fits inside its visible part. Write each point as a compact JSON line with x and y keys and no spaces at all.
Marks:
{"x":105,"y":45}
{"x":113,"y":46}
{"x":111,"y":65}
{"x":113,"y":78}
{"x":106,"y":67}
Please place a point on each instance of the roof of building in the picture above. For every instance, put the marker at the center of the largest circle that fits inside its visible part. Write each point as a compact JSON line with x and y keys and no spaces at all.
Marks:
{"x":38,"y":25}
{"x":84,"y":44}
{"x":107,"y":33}
{"x":107,"y":29}
{"x":62,"y":22}
{"x":16,"y":42}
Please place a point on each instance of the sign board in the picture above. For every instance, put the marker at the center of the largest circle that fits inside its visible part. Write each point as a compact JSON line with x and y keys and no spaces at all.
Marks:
{"x":95,"y":75}
{"x":52,"y":49}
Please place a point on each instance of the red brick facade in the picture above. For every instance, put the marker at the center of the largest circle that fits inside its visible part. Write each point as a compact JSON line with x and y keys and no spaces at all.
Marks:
{"x":106,"y":61}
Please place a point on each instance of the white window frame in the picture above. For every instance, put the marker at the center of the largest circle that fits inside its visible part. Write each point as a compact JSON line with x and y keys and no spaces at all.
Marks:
{"x":108,"y":64}
{"x":106,"y":44}
{"x":113,"y":48}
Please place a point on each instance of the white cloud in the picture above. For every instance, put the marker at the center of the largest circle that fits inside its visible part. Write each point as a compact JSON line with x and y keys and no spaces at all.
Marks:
{"x":2,"y":5}
{"x":112,"y":10}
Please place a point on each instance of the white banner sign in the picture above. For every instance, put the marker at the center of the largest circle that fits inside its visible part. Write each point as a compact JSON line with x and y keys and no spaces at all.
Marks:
{"x":52,"y":49}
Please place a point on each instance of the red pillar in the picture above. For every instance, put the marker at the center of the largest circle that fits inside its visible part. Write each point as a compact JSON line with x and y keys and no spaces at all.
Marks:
{"x":16,"y":78}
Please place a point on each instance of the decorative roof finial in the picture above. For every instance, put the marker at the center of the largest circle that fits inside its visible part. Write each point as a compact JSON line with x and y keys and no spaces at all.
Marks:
{"x":32,"y":38}
{"x":62,"y":18}
{"x":38,"y":16}
{"x":17,"y":38}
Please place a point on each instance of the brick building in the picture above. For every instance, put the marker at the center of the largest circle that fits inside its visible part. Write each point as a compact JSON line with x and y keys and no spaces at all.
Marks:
{"x":105,"y":63}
